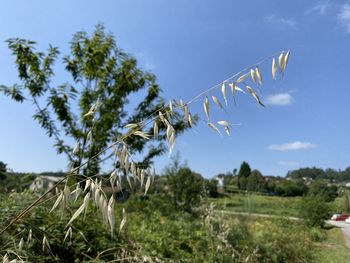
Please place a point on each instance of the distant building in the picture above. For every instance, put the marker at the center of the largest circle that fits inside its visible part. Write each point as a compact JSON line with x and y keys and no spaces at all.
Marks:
{"x":347,"y":185}
{"x":221,"y":184}
{"x":43,"y":182}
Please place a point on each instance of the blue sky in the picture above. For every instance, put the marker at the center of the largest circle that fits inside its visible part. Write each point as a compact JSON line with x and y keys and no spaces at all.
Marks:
{"x":190,"y":46}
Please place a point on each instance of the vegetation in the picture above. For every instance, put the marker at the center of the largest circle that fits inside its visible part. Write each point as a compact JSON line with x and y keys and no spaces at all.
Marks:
{"x":243,"y":175}
{"x":173,"y":221}
{"x":155,"y":231}
{"x":257,"y":203}
{"x":315,"y":210}
{"x":92,"y":109}
{"x":335,"y":176}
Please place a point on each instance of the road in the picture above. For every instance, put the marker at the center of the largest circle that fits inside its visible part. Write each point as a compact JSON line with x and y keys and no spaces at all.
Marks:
{"x":345,"y":229}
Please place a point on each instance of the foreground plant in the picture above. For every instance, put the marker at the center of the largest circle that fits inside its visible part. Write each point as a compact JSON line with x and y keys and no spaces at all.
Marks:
{"x":107,"y":76}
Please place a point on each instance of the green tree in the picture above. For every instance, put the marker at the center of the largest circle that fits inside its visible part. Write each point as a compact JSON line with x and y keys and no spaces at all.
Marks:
{"x":314,"y":210}
{"x":186,"y":188}
{"x":3,"y":171}
{"x":102,"y":79}
{"x":291,"y":188}
{"x":256,"y":182}
{"x":243,"y":174}
{"x":320,"y":187}
{"x":212,"y":188}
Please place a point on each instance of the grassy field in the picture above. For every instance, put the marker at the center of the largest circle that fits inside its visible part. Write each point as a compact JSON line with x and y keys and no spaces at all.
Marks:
{"x":327,"y":246}
{"x":261,"y":204}
{"x":264,"y":204}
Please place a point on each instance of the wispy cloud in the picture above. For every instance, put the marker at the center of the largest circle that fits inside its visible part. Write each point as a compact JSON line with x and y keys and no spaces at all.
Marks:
{"x":293,"y":146}
{"x":289,"y":163}
{"x":344,"y":16}
{"x":281,"y":99}
{"x":320,"y":8}
{"x":281,"y":22}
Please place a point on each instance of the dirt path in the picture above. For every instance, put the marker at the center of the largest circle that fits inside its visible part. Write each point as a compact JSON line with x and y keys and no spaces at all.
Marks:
{"x":256,"y":215}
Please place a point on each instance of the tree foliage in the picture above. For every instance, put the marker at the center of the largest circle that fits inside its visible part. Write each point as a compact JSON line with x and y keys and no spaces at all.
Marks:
{"x":102,"y":77}
{"x":319,"y":187}
{"x":3,"y":171}
{"x":314,"y":210}
{"x":256,"y":182}
{"x":243,"y":175}
{"x":186,"y":188}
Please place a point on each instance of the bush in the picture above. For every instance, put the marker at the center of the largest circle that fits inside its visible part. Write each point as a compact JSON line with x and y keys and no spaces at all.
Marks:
{"x":211,"y":187}
{"x":319,"y":187}
{"x":186,"y":188}
{"x":314,"y":210}
{"x":291,"y":188}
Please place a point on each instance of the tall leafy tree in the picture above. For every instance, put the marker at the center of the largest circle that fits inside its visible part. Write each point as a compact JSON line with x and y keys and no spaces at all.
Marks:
{"x":243,"y":174}
{"x":90,"y":107}
{"x":256,"y":182}
{"x":3,"y":171}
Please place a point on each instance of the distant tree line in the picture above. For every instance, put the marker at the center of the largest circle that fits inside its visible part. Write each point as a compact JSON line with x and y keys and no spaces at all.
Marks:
{"x":330,"y":174}
{"x":296,"y":183}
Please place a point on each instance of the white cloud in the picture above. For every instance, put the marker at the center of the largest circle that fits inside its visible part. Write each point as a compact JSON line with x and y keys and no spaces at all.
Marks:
{"x":281,"y":22}
{"x":344,"y":16}
{"x":281,"y":99}
{"x":293,"y":146}
{"x":320,"y":8}
{"x":289,"y":163}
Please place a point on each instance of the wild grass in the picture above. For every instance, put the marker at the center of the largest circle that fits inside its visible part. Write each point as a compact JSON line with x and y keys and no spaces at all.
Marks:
{"x":333,"y":249}
{"x":261,"y":204}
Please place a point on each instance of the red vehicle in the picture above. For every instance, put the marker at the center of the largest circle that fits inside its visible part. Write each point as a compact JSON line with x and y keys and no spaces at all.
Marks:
{"x":342,"y":217}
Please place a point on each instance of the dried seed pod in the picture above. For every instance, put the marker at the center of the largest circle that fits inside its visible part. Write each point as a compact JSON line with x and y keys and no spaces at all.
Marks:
{"x":211,"y":125}
{"x":82,"y":208}
{"x":148,"y":183}
{"x":281,"y":61}
{"x":131,"y":126}
{"x":274,"y":68}
{"x":258,"y":75}
{"x":69,"y":234}
{"x":123,"y":222}
{"x":217,"y":102}
{"x":170,"y":106}
{"x":30,"y":236}
{"x":223,"y":91}
{"x":252,"y":75}
{"x":20,"y":244}
{"x":190,"y":122}
{"x":89,"y":136}
{"x":142,"y":134}
{"x":255,"y":96}
{"x":76,"y":148}
{"x":206,"y":107}
{"x":155,"y":130}
{"x":111,"y":215}
{"x":242,"y":78}
{"x":46,"y":244}
{"x":58,"y":201}
{"x":286,"y":58}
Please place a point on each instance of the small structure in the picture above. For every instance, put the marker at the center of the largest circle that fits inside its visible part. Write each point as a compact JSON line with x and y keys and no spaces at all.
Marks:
{"x":221,"y":184}
{"x":43,"y":182}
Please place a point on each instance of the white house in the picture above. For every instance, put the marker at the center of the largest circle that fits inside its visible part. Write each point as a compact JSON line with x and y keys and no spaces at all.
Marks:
{"x":44,"y":182}
{"x":220,"y":181}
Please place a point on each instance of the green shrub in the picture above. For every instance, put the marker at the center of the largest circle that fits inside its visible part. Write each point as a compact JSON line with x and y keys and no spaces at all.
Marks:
{"x":314,"y":210}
